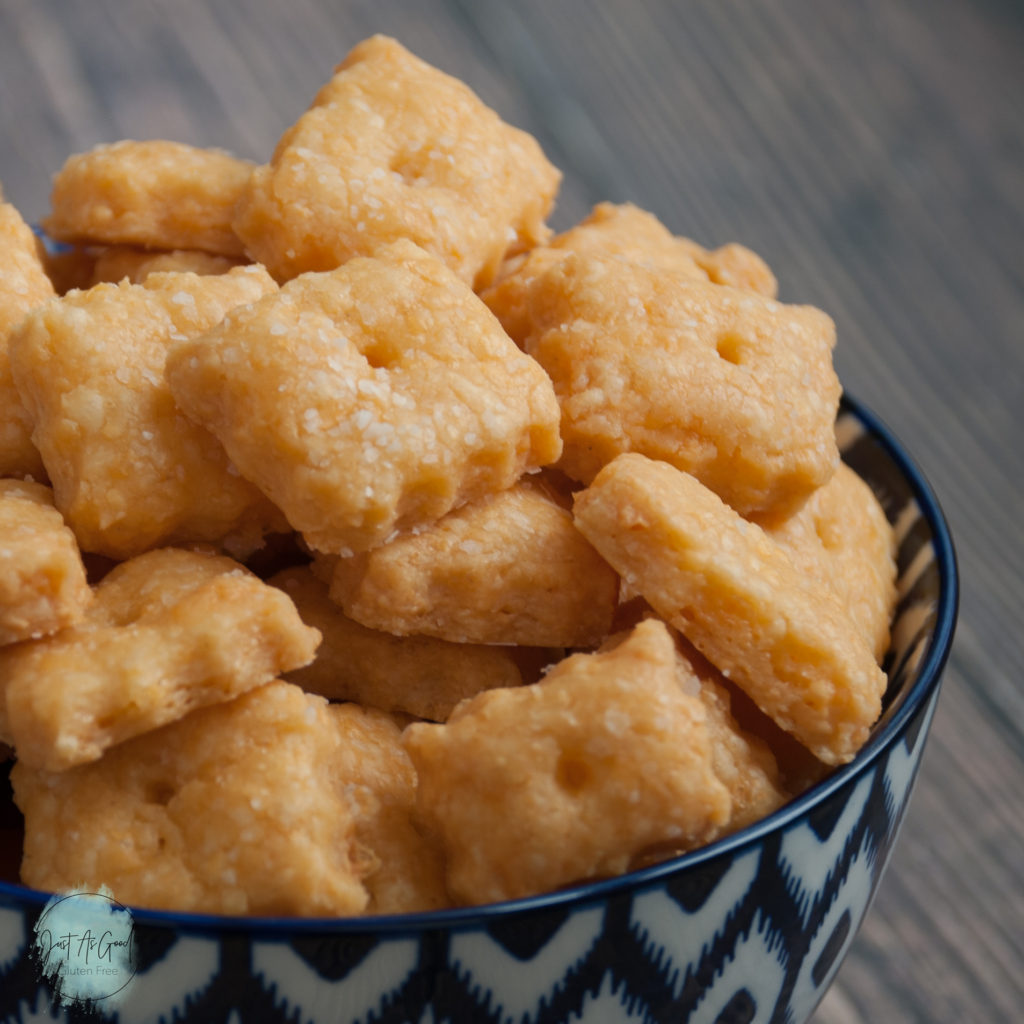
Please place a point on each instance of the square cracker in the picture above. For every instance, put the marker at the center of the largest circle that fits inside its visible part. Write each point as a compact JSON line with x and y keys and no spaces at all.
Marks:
{"x":154,"y":193}
{"x":623,"y":232}
{"x":129,"y":471}
{"x":166,"y":632}
{"x":235,"y":809}
{"x":735,"y":388}
{"x":418,"y":675}
{"x":42,"y":580}
{"x":393,"y":148}
{"x":570,"y":778}
{"x":783,"y":637}
{"x":369,"y":399}
{"x":509,"y":568}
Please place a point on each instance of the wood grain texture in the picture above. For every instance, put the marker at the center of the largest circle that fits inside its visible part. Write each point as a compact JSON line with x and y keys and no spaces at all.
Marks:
{"x":873,"y":152}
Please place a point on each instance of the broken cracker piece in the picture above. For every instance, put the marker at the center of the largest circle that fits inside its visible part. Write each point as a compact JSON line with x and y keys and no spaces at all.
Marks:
{"x":404,"y":868}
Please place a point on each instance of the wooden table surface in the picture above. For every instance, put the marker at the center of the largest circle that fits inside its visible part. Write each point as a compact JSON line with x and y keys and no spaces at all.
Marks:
{"x":872,"y":151}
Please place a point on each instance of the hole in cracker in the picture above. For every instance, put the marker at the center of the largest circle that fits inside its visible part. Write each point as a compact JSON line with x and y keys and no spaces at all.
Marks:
{"x":572,"y":773}
{"x":732,"y":348}
{"x":159,"y":792}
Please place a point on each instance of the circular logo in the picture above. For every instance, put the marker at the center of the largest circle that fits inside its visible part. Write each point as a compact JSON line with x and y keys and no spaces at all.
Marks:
{"x":85,"y":946}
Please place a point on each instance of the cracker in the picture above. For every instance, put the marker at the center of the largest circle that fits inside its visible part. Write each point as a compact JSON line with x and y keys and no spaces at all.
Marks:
{"x":129,"y":471}
{"x":373,"y":398}
{"x":235,"y":809}
{"x":566,"y":780}
{"x":167,"y":632}
{"x":155,"y":194}
{"x":732,"y":387}
{"x":114,"y":263}
{"x":743,"y":762}
{"x":393,"y":148}
{"x":841,"y":536}
{"x":780,"y":635}
{"x":24,"y":285}
{"x":404,"y":869}
{"x":42,"y":580}
{"x":418,"y":675}
{"x":623,"y":232}
{"x":510,"y":568}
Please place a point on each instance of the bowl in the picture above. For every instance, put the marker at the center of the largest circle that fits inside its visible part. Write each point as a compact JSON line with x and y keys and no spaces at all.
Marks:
{"x":751,"y":928}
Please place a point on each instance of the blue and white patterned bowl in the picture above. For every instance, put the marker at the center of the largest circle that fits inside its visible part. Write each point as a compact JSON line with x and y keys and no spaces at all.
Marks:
{"x":750,"y":929}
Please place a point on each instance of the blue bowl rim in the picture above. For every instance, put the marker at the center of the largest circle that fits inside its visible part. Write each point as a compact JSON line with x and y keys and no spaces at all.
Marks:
{"x":929,"y":677}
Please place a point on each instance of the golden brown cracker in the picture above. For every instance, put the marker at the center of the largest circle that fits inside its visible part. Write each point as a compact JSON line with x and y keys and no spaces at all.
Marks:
{"x":114,"y":263}
{"x":166,"y":633}
{"x":156,"y":194}
{"x":842,"y":537}
{"x":235,"y":809}
{"x":394,"y":148}
{"x":24,"y":285}
{"x":129,"y":471}
{"x":370,"y":399}
{"x":623,"y":232}
{"x":418,"y":675}
{"x":404,"y":868}
{"x":743,"y":762}
{"x":43,"y":586}
{"x":735,"y":594}
{"x":509,"y":568}
{"x":732,"y":387}
{"x":545,"y":785}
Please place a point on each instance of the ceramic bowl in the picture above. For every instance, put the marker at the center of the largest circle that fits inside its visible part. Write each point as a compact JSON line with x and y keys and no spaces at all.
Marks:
{"x":749,"y":929}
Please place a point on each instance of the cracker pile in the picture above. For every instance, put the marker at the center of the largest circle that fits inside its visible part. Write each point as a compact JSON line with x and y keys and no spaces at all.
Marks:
{"x":365,"y":548}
